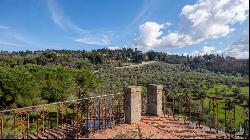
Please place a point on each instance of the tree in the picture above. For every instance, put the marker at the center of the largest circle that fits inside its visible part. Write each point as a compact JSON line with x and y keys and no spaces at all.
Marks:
{"x":236,"y":90}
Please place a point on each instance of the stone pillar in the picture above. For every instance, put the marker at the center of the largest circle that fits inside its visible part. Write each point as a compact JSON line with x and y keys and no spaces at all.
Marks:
{"x":132,"y":104}
{"x":154,"y":99}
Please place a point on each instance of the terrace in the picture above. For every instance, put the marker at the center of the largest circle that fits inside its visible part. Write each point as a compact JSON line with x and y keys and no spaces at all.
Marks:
{"x":132,"y":114}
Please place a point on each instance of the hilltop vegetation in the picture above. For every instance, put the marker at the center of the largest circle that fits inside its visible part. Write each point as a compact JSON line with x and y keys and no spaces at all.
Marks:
{"x":81,"y":59}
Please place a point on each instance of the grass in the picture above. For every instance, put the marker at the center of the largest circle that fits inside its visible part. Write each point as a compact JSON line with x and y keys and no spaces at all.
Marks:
{"x":8,"y":120}
{"x":222,"y":88}
{"x":244,"y":91}
{"x":239,"y":112}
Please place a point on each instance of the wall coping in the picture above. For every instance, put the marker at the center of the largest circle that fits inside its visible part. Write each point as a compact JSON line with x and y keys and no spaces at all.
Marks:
{"x":155,"y":87}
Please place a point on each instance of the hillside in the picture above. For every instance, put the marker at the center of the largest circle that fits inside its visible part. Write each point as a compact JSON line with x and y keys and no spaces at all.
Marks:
{"x":55,"y":75}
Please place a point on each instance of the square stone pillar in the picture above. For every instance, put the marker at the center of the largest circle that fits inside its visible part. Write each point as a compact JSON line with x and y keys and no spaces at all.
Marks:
{"x":154,"y":99}
{"x":132,"y":104}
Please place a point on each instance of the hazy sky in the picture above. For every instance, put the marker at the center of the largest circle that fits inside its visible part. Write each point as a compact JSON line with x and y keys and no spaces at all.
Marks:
{"x":173,"y":26}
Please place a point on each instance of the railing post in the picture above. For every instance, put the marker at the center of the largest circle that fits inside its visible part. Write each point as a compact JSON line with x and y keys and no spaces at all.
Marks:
{"x":1,"y":128}
{"x":132,"y":106}
{"x":154,"y":99}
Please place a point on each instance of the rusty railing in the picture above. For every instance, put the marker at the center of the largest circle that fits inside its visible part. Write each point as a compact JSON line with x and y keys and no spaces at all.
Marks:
{"x":218,"y":114}
{"x":63,"y":120}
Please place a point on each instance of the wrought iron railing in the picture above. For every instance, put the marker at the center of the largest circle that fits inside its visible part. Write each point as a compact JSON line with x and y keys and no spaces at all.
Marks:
{"x":81,"y":118}
{"x":62,"y":120}
{"x":218,"y":114}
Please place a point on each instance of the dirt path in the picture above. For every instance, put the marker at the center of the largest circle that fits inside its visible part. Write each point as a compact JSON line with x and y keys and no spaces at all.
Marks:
{"x":138,"y":65}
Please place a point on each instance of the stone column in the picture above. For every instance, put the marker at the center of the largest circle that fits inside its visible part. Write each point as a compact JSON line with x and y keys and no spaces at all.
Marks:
{"x":132,"y":104}
{"x":154,"y":99}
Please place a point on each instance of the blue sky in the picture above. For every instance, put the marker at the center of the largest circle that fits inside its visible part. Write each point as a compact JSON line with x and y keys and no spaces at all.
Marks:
{"x":174,"y":26}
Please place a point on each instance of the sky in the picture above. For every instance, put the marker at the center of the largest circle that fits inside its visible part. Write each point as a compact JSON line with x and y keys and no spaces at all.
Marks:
{"x":184,"y":27}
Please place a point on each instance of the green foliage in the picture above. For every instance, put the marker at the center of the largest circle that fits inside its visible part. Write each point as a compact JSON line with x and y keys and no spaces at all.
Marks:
{"x":32,"y":84}
{"x":236,"y":90}
{"x":216,"y":63}
{"x":31,"y":78}
{"x":244,"y":90}
{"x":174,"y":77}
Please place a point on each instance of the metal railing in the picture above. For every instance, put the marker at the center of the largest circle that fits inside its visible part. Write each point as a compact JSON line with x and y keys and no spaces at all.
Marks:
{"x":219,"y":114}
{"x":63,"y":120}
{"x":81,"y":118}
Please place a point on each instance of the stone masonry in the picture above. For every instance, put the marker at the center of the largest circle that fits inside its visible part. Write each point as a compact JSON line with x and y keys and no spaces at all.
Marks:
{"x":154,"y":99}
{"x":132,"y":110}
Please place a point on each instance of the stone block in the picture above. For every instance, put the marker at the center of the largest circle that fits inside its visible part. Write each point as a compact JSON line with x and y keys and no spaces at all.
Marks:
{"x":132,"y":104}
{"x":154,"y":99}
